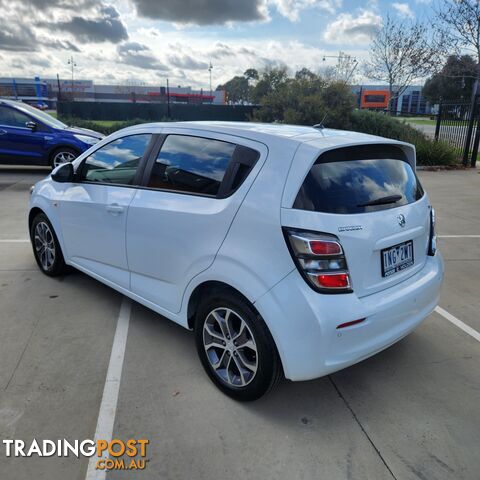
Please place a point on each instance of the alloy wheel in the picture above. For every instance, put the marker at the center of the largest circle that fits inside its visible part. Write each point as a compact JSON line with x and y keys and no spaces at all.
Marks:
{"x":230,"y":347}
{"x":44,"y":245}
{"x":63,"y":157}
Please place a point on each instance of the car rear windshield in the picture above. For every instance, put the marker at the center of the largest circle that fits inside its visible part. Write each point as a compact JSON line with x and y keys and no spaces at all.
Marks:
{"x":358,"y":180}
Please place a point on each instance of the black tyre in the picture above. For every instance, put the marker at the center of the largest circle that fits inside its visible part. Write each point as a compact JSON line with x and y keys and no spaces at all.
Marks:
{"x":62,"y":155}
{"x":235,"y":347}
{"x":46,"y":248}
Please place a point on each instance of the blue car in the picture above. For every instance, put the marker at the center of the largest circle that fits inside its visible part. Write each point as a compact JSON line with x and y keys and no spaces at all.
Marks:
{"x":29,"y":136}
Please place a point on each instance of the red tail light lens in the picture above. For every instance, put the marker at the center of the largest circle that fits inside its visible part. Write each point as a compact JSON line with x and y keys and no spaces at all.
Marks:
{"x":321,"y":247}
{"x":333,"y":280}
{"x":320,"y":259}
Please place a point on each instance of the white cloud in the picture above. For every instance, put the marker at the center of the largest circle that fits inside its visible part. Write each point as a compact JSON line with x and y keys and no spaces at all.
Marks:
{"x":403,"y":9}
{"x":149,"y":58}
{"x":291,"y":8}
{"x":350,"y":29}
{"x":154,"y":50}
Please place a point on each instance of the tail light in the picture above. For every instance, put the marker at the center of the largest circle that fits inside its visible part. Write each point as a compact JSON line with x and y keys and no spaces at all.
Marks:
{"x":432,"y":243}
{"x":320,"y":259}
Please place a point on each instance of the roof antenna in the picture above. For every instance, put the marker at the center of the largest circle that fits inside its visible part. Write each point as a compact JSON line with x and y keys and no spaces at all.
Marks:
{"x":320,"y":125}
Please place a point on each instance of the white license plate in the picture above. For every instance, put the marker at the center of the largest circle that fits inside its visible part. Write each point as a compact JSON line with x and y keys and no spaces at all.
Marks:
{"x":397,"y":258}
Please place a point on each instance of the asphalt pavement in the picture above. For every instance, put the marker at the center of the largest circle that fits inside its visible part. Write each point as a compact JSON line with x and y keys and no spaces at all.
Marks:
{"x":410,"y":412}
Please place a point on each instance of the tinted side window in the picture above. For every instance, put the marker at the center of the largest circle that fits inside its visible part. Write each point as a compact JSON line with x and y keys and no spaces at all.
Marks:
{"x":116,"y":162}
{"x":191,"y":164}
{"x":13,"y":118}
{"x":338,"y":183}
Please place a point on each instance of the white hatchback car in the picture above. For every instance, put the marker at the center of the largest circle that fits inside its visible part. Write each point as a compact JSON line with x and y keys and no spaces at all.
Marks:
{"x":288,"y":250}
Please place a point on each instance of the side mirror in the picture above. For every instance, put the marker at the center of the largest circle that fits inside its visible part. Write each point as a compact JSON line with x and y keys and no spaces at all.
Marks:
{"x":31,"y":125}
{"x":63,"y":173}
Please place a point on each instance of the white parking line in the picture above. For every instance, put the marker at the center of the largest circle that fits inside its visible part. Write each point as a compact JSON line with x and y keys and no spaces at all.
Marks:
{"x":458,"y":236}
{"x":108,"y":406}
{"x":14,"y":240}
{"x":463,"y":326}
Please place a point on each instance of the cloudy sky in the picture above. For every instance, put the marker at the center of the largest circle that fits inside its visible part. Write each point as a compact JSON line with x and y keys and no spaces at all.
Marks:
{"x":149,"y":40}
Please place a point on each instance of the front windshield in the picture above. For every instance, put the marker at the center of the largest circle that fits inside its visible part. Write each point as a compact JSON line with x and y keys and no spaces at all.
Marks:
{"x":42,"y":116}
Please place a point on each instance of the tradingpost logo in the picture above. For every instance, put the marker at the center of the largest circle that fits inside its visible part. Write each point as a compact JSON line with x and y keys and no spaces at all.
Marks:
{"x":112,"y":455}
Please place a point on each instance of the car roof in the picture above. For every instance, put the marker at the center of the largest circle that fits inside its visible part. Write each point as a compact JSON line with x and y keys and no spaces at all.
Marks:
{"x":12,"y":103}
{"x":265,"y":131}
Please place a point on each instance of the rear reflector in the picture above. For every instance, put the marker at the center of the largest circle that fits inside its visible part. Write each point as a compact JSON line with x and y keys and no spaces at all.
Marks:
{"x":349,"y":324}
{"x":333,"y":280}
{"x":325,"y":248}
{"x":432,"y":243}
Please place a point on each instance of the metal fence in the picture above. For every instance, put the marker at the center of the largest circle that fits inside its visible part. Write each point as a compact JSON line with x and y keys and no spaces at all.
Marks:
{"x":154,"y":111}
{"x":458,"y":124}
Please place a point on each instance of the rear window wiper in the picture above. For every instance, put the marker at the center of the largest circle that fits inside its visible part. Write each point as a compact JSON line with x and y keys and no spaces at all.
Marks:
{"x":382,"y":201}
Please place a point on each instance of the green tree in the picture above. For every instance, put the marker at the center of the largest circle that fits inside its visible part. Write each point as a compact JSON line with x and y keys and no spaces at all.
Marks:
{"x":251,"y":74}
{"x":269,"y":81}
{"x":339,"y":104}
{"x":305,"y":99}
{"x":453,"y":82}
{"x":305,"y":74}
{"x":237,"y":89}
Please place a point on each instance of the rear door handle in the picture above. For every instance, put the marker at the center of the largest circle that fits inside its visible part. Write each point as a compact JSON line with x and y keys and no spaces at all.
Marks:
{"x":2,"y":132}
{"x":115,"y":209}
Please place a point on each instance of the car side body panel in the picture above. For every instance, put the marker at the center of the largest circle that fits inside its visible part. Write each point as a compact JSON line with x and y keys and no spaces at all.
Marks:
{"x":172,"y":237}
{"x":256,"y":236}
{"x":45,"y":196}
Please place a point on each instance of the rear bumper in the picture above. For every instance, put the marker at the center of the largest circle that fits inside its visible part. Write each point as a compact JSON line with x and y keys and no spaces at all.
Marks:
{"x":304,"y":323}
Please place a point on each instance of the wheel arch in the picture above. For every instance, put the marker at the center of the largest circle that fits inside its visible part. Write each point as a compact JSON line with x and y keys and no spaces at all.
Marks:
{"x":211,"y":286}
{"x":214,"y":285}
{"x":41,"y":205}
{"x":32,"y":214}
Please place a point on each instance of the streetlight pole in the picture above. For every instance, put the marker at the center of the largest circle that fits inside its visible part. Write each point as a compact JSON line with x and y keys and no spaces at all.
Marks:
{"x":347,"y":58}
{"x":168,"y":100}
{"x":72,"y":63}
{"x":210,"y":68}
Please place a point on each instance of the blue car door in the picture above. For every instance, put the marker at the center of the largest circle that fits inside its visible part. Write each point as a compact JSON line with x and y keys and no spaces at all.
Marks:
{"x":18,"y":143}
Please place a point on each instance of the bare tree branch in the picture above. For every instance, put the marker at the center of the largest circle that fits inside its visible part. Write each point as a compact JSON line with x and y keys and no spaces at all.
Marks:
{"x":402,"y":52}
{"x":460,"y":22}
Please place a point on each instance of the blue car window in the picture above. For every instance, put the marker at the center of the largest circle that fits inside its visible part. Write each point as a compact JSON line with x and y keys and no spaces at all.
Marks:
{"x":12,"y":118}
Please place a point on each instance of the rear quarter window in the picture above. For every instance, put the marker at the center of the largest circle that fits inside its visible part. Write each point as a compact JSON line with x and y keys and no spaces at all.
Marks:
{"x":359,"y":180}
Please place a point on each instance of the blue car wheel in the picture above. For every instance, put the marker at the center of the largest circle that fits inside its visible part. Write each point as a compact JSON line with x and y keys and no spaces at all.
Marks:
{"x":63,"y":155}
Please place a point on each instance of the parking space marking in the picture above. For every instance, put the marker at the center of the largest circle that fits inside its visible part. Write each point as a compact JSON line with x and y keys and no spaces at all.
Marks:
{"x":14,"y":240}
{"x":108,"y":405}
{"x":458,"y":236}
{"x":463,"y":326}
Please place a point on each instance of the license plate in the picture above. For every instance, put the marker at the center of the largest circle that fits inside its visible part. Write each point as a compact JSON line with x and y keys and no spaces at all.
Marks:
{"x":397,"y":258}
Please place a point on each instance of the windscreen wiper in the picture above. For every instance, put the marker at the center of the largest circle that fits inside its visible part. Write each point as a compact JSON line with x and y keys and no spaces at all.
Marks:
{"x":382,"y":201}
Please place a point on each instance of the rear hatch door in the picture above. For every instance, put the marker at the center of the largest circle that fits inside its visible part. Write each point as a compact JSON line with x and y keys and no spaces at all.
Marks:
{"x":369,"y":197}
